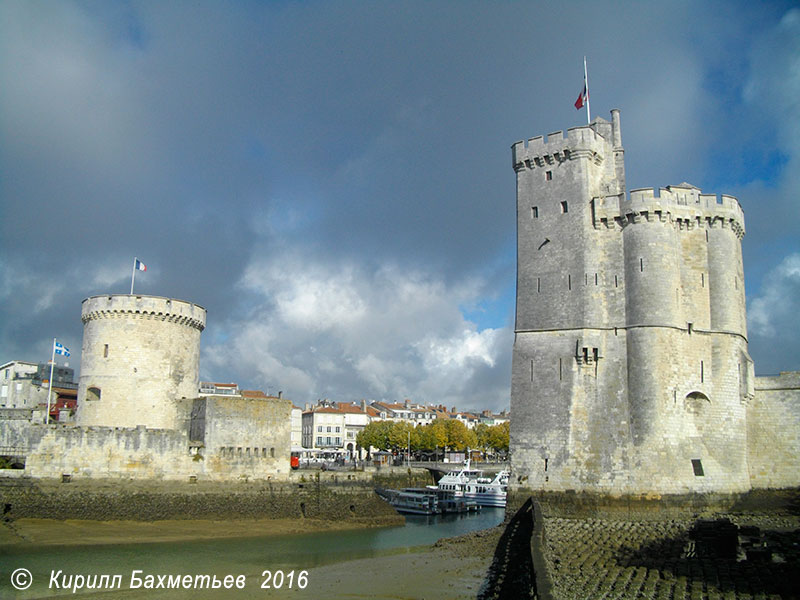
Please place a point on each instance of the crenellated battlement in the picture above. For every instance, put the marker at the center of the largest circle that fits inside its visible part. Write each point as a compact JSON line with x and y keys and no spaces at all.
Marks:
{"x":683,"y":205}
{"x":580,"y":142}
{"x":158,"y":307}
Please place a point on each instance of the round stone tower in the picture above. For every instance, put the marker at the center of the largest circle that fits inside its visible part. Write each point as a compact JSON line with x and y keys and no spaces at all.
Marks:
{"x":139,"y":354}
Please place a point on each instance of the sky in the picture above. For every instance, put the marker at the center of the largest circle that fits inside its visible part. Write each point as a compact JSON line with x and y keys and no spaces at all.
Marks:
{"x":332,"y":181}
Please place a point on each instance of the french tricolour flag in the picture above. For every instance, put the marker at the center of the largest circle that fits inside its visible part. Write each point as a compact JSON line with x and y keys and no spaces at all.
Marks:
{"x":140,"y":266}
{"x":582,"y":99}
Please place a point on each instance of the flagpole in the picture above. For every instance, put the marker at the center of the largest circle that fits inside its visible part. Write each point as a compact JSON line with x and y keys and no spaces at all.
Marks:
{"x":133,"y":273}
{"x":586,"y":83}
{"x":50,"y":386}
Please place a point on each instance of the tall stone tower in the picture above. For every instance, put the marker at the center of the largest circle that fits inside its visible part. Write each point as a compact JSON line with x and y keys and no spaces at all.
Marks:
{"x":139,"y":354}
{"x":630,"y":369}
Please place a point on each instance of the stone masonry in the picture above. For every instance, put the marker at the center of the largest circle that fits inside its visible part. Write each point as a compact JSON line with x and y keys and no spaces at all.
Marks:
{"x":138,"y":351}
{"x":139,"y":414}
{"x":630,"y":370}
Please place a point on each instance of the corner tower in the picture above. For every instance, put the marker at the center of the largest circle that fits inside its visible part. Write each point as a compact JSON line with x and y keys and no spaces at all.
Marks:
{"x":139,"y":354}
{"x":629,"y":338}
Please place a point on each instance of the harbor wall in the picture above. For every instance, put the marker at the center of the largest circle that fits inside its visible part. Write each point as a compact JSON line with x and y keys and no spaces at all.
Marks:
{"x":339,"y":496}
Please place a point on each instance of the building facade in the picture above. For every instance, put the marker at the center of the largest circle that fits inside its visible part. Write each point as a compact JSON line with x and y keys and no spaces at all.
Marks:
{"x":25,"y":385}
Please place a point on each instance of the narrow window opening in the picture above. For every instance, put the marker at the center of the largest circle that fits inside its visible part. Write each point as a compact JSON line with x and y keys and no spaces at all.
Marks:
{"x":272,"y":452}
{"x":545,"y":463}
{"x":534,"y":212}
{"x":538,"y":284}
{"x":564,"y":208}
{"x":706,"y":234}
{"x":615,"y":331}
{"x":585,"y":355}
{"x":689,"y":328}
{"x":596,"y":353}
{"x":105,"y":351}
{"x":585,"y":279}
{"x":548,"y":175}
{"x":595,"y":278}
{"x":641,"y":264}
{"x":697,"y":467}
{"x":560,"y":377}
{"x":616,"y":281}
{"x":569,"y":282}
{"x":703,"y":279}
{"x":531,"y":370}
{"x":702,"y":372}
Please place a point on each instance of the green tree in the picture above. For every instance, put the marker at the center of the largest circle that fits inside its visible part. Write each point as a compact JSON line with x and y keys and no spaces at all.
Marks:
{"x":424,"y":438}
{"x":499,"y":437}
{"x":398,"y":434}
{"x":458,"y":436}
{"x":482,"y":437}
{"x":375,"y":435}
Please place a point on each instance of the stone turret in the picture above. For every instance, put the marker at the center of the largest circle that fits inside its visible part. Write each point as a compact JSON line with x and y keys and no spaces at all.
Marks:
{"x":140,"y":353}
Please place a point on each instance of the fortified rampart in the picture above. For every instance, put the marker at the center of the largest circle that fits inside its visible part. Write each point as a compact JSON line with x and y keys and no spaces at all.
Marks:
{"x":773,"y":431}
{"x":139,"y":414}
{"x":630,"y":371}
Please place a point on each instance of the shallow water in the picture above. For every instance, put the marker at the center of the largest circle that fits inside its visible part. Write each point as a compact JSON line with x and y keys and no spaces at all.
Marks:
{"x":238,"y":556}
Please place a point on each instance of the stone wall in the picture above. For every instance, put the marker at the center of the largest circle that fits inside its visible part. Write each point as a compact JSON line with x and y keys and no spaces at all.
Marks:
{"x":773,"y":432}
{"x":334,"y":496}
{"x":100,"y":452}
{"x":244,"y":437}
{"x":238,"y":439}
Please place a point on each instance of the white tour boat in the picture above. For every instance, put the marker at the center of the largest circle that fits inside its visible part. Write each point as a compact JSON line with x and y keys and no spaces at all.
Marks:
{"x":472,"y":485}
{"x":488,"y":492}
{"x":454,"y":482}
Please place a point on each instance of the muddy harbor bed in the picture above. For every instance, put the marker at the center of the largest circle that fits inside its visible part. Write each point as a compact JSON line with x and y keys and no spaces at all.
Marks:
{"x":724,"y":557}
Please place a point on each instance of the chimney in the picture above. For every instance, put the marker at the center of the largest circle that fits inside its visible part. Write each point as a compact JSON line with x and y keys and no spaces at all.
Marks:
{"x":280,"y":394}
{"x":454,"y":409}
{"x":406,"y":403}
{"x":363,"y":406}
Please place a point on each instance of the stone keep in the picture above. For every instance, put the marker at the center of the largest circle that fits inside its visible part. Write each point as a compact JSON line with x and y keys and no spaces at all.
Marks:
{"x":139,"y":354}
{"x":630,"y":365}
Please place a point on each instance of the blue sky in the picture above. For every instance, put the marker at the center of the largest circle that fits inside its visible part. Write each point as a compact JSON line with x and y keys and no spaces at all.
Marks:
{"x":333,"y":181}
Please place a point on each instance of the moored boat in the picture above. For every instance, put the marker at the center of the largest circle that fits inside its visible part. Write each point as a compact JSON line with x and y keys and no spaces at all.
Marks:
{"x":488,"y":492}
{"x":411,"y":502}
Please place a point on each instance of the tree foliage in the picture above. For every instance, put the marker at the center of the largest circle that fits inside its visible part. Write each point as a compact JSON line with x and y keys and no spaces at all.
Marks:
{"x":442,"y":433}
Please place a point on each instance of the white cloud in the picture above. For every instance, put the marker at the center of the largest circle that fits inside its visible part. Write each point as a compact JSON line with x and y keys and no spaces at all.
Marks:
{"x":772,"y":317}
{"x":346,"y":332}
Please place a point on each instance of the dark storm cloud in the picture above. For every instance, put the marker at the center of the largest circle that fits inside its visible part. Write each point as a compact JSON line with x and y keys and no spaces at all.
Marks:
{"x":333,"y":180}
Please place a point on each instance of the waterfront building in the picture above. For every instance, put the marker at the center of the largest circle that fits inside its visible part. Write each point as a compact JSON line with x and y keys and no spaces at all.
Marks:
{"x":25,"y":385}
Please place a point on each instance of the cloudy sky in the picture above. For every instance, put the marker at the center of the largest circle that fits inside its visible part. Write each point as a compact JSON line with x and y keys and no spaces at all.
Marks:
{"x":333,"y":181}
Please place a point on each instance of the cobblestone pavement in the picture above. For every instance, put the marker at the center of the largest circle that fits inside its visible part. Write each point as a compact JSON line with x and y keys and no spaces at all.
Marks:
{"x":729,"y":557}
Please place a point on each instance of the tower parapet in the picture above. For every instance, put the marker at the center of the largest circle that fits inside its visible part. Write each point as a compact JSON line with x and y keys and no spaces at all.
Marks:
{"x":538,"y":151}
{"x":146,"y":307}
{"x":139,"y":353}
{"x":683,"y":205}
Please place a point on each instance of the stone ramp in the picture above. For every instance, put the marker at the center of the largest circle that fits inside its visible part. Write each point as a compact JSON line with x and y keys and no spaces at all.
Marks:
{"x":511,"y":575}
